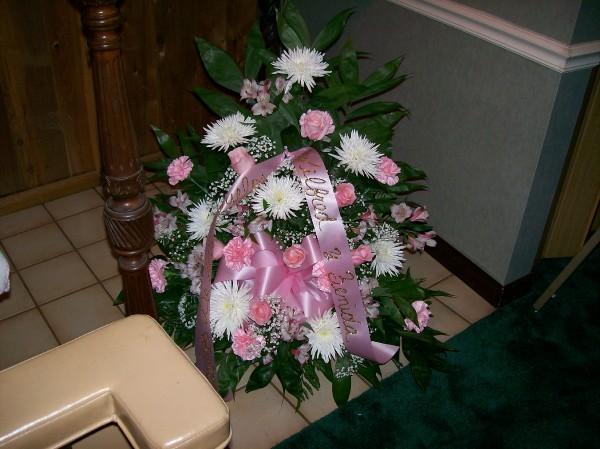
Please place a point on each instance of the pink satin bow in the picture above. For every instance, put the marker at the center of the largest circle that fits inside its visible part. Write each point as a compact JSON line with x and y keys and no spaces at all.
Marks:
{"x":271,"y":276}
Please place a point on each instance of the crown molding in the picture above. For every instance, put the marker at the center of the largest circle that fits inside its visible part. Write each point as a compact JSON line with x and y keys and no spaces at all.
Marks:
{"x":536,"y":47}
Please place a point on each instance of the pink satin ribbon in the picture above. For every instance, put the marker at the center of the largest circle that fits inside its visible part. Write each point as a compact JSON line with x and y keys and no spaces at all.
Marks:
{"x":296,"y":286}
{"x":271,"y":276}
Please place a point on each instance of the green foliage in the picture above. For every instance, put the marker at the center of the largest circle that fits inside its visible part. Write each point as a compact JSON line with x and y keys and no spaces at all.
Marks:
{"x":332,"y":31}
{"x":219,"y":103}
{"x":220,"y":66}
{"x":254,"y":46}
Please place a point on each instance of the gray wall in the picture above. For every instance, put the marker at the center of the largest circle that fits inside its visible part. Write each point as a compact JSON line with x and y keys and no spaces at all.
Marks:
{"x":491,"y":128}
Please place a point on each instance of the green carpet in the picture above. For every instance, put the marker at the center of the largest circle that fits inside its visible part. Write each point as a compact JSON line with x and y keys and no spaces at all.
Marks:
{"x":523,"y":379}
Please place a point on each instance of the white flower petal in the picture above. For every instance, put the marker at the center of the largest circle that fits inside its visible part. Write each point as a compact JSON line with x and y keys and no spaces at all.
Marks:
{"x":325,"y":336}
{"x":358,"y":154}
{"x":301,"y":65}
{"x":229,"y":132}
{"x":229,"y":307}
{"x":388,"y":257}
{"x":278,"y":197}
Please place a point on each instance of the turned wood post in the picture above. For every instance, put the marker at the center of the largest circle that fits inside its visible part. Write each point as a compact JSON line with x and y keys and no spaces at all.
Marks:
{"x":127,"y":212}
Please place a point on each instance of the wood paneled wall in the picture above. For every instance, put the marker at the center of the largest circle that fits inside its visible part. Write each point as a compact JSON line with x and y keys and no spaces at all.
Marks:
{"x":48,"y":140}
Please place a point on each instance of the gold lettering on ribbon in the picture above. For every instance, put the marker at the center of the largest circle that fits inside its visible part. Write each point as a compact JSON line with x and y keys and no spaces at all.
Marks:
{"x":316,"y":189}
{"x":346,"y":311}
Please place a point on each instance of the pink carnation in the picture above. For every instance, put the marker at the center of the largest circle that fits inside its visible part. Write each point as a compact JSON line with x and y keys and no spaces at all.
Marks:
{"x":179,"y":169}
{"x":388,"y":171}
{"x":315,"y":125}
{"x":362,"y":254}
{"x":156,"y":269}
{"x":246,"y":345}
{"x":345,"y":194}
{"x":294,"y":256}
{"x":419,"y":214}
{"x":238,"y":253}
{"x":260,"y":312}
{"x":423,"y":315}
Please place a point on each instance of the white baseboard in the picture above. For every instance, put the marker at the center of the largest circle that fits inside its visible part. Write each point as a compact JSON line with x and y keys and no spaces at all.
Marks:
{"x":534,"y":46}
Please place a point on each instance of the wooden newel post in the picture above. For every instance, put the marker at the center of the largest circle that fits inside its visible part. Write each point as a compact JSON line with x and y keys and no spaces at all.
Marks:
{"x":127,"y":212}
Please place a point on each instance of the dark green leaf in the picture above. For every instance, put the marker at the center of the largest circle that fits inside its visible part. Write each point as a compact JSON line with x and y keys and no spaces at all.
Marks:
{"x":253,"y":46}
{"x":287,"y":35}
{"x":332,"y":31}
{"x":376,"y":108}
{"x":369,"y":373}
{"x":382,"y":87}
{"x":167,"y":145}
{"x":219,"y":103}
{"x":389,"y":308}
{"x":296,"y":22}
{"x":157,"y":165}
{"x":420,"y":371}
{"x":220,"y":66}
{"x":291,"y":112}
{"x":260,"y":377}
{"x":186,"y":145}
{"x":410,"y":173}
{"x":338,"y":95}
{"x":120,"y":299}
{"x":348,"y":67}
{"x":384,"y":73}
{"x":311,"y":375}
{"x":341,"y":390}
{"x":404,"y":188}
{"x":293,"y":140}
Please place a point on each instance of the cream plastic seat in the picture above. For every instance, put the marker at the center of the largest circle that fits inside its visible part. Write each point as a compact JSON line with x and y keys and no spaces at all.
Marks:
{"x":129,"y":373}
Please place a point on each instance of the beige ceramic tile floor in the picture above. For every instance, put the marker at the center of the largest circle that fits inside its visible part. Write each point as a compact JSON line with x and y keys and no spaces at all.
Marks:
{"x":64,"y":278}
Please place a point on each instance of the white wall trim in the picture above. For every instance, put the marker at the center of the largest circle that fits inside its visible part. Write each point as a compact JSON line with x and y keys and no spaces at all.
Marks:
{"x":537,"y":47}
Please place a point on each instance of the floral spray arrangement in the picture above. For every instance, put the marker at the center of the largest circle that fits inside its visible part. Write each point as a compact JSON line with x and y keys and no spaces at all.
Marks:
{"x":285,"y":242}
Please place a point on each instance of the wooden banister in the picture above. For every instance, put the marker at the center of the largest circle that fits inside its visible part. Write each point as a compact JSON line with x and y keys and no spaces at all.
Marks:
{"x":127,"y":212}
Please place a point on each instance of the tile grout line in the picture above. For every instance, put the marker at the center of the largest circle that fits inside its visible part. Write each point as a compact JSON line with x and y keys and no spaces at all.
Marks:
{"x":36,"y":305}
{"x":89,"y":268}
{"x":448,"y":307}
{"x":52,"y":219}
{"x":285,"y":399}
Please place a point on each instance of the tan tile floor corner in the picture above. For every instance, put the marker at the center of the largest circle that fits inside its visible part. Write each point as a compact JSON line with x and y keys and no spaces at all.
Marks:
{"x":64,"y":278}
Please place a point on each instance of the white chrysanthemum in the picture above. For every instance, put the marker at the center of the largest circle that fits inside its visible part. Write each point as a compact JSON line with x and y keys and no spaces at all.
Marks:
{"x":229,"y":307}
{"x":301,"y":65}
{"x":388,"y":257}
{"x":278,"y":197}
{"x":229,"y":132}
{"x":325,"y":336}
{"x":200,"y":216}
{"x":358,"y":154}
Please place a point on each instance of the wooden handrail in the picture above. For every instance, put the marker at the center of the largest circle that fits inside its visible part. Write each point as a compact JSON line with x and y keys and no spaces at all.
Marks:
{"x":127,"y":212}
